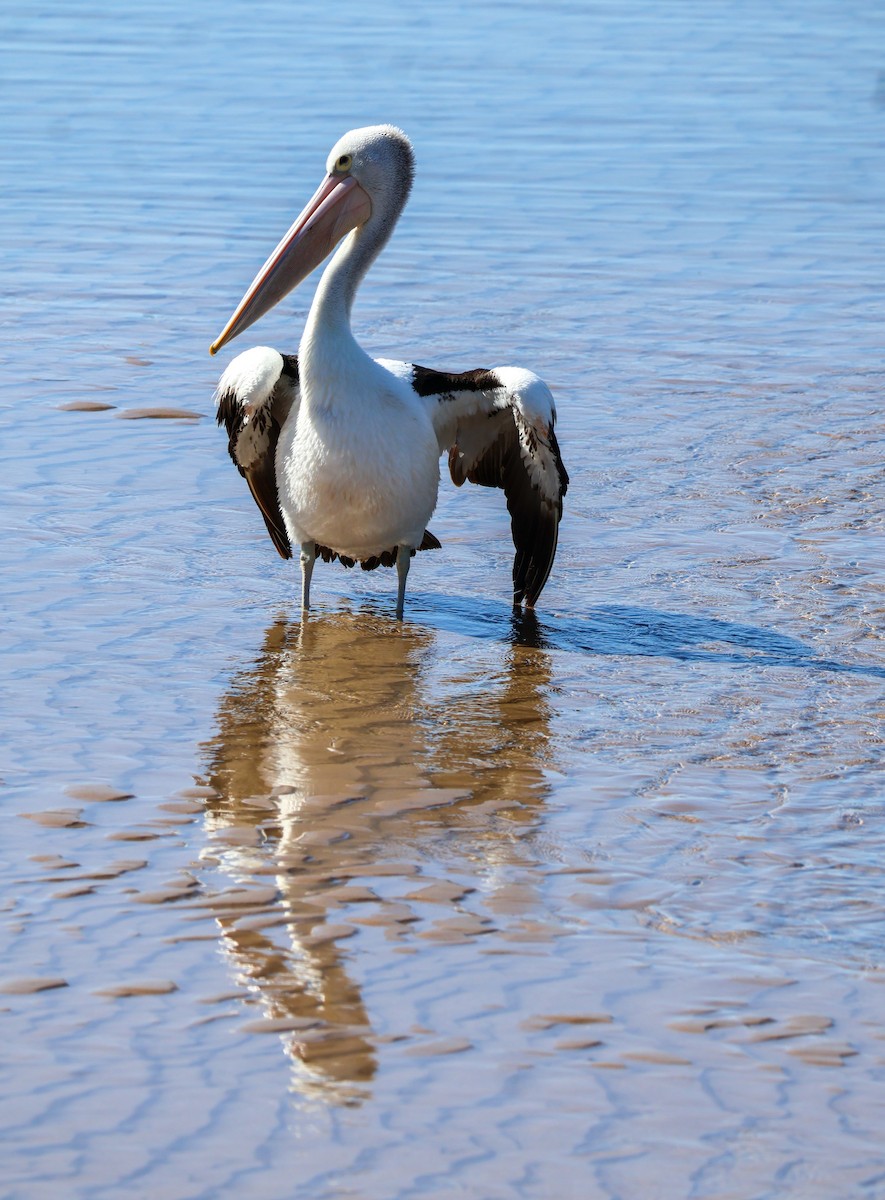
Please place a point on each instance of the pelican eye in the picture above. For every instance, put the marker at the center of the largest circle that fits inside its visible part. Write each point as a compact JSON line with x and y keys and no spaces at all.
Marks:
{"x":344,"y":162}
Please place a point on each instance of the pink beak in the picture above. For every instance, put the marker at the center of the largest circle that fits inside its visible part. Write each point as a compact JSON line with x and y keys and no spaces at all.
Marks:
{"x":338,"y":206}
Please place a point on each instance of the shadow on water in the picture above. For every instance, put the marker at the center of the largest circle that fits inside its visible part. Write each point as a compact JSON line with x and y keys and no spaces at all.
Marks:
{"x":628,"y":630}
{"x":344,"y":753}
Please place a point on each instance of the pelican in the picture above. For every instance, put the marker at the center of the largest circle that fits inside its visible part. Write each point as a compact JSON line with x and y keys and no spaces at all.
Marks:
{"x":341,"y":451}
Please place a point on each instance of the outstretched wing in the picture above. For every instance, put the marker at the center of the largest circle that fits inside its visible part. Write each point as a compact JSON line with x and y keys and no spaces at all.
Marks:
{"x":254,"y":397}
{"x":498,"y":428}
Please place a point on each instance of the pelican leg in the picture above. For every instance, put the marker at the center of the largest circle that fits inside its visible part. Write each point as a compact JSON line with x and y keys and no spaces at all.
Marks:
{"x":403,"y":562}
{"x":308,"y":558}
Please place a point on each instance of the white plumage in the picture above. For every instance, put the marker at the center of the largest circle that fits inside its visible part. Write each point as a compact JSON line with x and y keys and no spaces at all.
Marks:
{"x":341,"y":452}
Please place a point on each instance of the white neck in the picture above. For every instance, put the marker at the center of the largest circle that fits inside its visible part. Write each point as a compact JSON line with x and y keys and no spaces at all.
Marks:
{"x":328,"y":338}
{"x":329,"y":314}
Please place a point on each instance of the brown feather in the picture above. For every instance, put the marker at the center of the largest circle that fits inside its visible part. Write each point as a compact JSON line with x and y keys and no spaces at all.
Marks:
{"x":264,"y":424}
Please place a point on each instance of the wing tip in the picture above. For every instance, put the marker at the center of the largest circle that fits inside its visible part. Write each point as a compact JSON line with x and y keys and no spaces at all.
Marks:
{"x":534,"y":559}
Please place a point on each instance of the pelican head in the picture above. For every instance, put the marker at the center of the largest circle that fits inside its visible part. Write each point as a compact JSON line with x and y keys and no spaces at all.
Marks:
{"x":368,"y":180}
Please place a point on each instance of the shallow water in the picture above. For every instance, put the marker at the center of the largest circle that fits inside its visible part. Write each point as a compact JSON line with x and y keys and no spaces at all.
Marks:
{"x":587,"y":905}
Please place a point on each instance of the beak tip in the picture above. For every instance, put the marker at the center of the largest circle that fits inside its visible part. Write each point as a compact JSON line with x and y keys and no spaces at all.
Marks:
{"x":213,"y":349}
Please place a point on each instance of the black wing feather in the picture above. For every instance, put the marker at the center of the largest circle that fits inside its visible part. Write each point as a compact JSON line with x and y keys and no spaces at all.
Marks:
{"x":499,"y":426}
{"x":264,"y":424}
{"x":534,"y":520}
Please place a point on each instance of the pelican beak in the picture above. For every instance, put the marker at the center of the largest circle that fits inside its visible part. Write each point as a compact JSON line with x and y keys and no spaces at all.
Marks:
{"x":338,"y":206}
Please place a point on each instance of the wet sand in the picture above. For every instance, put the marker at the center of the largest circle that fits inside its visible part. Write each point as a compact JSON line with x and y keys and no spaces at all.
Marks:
{"x":585,"y":904}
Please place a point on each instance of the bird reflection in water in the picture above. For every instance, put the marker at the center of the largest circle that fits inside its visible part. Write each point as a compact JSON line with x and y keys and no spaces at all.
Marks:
{"x":356,"y":763}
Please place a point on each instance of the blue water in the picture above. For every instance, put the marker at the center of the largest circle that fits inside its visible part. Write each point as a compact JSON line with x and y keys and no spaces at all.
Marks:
{"x":657,"y":810}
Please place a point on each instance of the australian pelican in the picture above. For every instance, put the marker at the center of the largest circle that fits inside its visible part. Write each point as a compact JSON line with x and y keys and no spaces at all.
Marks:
{"x":341,"y":451}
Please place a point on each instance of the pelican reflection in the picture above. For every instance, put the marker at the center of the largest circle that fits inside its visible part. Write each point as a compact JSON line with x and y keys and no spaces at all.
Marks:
{"x":354,"y":762}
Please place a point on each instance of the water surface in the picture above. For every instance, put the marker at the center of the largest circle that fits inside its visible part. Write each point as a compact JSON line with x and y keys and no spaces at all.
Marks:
{"x":587,"y":905}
